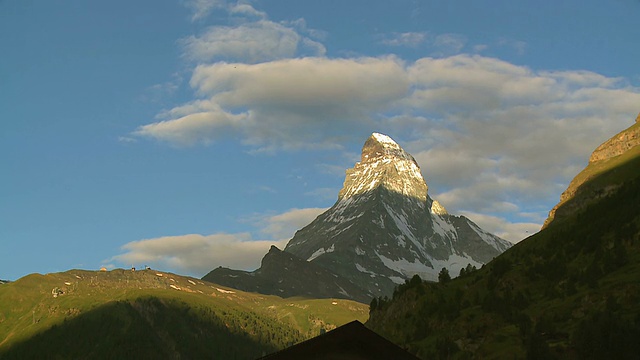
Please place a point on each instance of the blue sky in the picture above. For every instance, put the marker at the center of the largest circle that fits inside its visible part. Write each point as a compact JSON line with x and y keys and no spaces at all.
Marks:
{"x":185,"y":135}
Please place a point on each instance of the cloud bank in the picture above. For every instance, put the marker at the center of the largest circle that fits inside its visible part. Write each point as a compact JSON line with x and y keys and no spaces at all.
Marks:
{"x":496,"y":141}
{"x":197,"y":254}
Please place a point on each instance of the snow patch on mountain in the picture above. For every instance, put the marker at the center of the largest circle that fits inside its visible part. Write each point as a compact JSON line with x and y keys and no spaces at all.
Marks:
{"x":385,"y":139}
{"x":401,"y":222}
{"x":364,"y":270}
{"x":322,"y":251}
{"x":343,"y":291}
{"x":379,"y":222}
{"x":409,"y":268}
{"x":385,"y":221}
{"x":444,"y":228}
{"x":454,"y":263}
{"x":405,"y":267}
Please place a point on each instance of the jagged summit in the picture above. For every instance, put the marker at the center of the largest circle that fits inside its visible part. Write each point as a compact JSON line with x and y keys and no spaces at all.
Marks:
{"x":618,"y":144}
{"x":384,"y":163}
{"x":380,"y":145}
{"x":383,"y":229}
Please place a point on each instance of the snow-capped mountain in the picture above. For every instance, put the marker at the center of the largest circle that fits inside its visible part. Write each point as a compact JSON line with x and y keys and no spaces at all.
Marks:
{"x":384,"y":227}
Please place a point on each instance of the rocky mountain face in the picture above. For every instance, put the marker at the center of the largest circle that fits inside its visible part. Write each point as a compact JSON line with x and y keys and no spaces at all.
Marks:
{"x":618,"y":144}
{"x":383,"y":229}
{"x":608,"y":155}
{"x":569,"y":291}
{"x":285,"y":275}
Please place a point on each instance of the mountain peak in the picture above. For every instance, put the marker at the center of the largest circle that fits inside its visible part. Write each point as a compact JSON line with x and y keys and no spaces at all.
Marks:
{"x":379,"y":145}
{"x":384,"y":163}
{"x":384,"y":228}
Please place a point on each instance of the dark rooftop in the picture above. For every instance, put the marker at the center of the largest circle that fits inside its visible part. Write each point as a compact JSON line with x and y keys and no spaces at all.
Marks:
{"x":351,"y":341}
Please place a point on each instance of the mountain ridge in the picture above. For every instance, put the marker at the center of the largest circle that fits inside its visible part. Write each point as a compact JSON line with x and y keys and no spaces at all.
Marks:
{"x":125,"y":314}
{"x":285,"y":275}
{"x":612,"y":153}
{"x":383,"y":229}
{"x":568,"y":291}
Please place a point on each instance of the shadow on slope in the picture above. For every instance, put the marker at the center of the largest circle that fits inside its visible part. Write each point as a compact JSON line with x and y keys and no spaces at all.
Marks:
{"x":597,"y":181}
{"x":285,"y":275}
{"x":153,"y":328}
{"x":569,"y":291}
{"x":363,"y":246}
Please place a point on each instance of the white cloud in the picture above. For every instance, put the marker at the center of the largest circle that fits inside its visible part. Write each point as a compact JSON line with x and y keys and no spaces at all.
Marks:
{"x":253,"y":42}
{"x":284,"y":226}
{"x":449,"y":43}
{"x":480,"y":48}
{"x":511,"y":231}
{"x":197,"y":254}
{"x":253,"y":38}
{"x":208,"y":123}
{"x":202,"y":8}
{"x":441,"y":44}
{"x":288,"y":103}
{"x":501,"y":139}
{"x":304,"y":83}
{"x":491,"y":136}
{"x":409,"y":39}
{"x":126,"y":139}
{"x":246,"y":10}
{"x":520,"y":47}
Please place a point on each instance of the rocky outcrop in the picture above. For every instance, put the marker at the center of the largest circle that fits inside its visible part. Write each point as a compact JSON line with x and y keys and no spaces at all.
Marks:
{"x":285,"y":275}
{"x":385,"y":228}
{"x":603,"y":158}
{"x":384,"y":163}
{"x":618,"y":144}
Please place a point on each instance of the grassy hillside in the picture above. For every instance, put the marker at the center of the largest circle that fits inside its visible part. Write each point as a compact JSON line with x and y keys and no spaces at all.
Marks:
{"x":570,"y":291}
{"x":150,"y":314}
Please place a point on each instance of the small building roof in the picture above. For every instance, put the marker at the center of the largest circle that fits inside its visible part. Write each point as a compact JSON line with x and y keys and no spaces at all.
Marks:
{"x":351,"y":341}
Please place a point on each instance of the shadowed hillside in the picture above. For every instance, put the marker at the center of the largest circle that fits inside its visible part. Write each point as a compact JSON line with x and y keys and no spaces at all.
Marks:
{"x":124,"y":314}
{"x":570,"y":291}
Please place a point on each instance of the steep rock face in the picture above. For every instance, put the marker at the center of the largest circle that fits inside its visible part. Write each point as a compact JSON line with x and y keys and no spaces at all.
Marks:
{"x":606,"y":156}
{"x":384,"y":163}
{"x":618,"y":144}
{"x":285,"y":275}
{"x":385,"y":228}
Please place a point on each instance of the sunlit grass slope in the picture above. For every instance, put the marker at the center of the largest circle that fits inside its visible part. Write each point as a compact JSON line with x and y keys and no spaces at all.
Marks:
{"x":123,"y":314}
